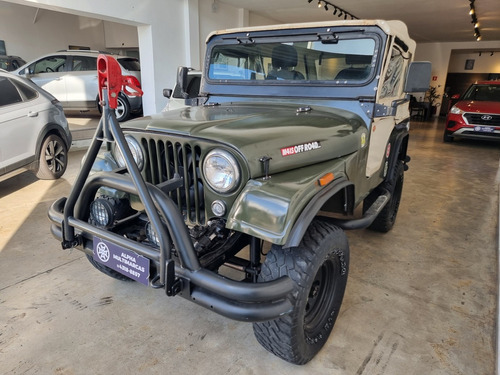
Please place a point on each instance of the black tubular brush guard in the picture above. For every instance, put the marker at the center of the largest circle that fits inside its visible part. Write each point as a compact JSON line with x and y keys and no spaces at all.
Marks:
{"x":237,"y":300}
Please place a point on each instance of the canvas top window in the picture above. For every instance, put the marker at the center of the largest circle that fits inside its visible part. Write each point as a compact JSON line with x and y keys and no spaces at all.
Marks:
{"x":344,"y":61}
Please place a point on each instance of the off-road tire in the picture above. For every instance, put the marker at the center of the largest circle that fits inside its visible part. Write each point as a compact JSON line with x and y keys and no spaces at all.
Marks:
{"x":52,"y":159}
{"x":319,"y":268}
{"x":387,"y":217}
{"x":108,"y":271}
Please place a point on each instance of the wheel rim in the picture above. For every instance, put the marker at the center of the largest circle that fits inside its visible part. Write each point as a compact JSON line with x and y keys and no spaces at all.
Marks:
{"x":321,"y":297}
{"x":55,"y":156}
{"x":120,"y":108}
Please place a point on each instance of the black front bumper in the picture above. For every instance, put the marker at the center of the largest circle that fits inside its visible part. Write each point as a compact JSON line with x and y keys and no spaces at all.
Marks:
{"x":237,"y":300}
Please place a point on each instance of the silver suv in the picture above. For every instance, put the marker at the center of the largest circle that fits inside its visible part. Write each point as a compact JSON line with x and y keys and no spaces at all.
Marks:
{"x":34,"y":133}
{"x":71,"y":76}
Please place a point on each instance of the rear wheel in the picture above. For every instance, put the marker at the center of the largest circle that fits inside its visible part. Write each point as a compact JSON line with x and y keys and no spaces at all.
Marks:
{"x":387,"y":217}
{"x":319,"y":268}
{"x":122,"y":110}
{"x":53,"y":158}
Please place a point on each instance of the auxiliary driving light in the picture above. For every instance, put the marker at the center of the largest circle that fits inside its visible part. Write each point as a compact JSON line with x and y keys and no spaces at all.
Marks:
{"x":102,"y":212}
{"x":152,"y":235}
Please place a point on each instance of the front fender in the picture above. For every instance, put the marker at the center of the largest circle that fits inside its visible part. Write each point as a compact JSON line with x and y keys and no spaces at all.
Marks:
{"x":268,"y":209}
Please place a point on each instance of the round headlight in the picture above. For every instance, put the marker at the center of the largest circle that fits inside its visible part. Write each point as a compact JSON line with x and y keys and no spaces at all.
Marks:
{"x":221,"y":171}
{"x":135,"y":149}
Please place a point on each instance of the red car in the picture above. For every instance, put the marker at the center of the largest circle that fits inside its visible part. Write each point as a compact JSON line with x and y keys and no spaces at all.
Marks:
{"x":476,"y":114}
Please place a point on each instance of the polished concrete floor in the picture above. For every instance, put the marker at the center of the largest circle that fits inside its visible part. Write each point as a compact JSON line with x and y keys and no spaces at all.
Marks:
{"x":421,"y":299}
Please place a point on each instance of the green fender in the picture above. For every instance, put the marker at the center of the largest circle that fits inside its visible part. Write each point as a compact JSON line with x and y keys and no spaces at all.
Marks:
{"x":268,"y":209}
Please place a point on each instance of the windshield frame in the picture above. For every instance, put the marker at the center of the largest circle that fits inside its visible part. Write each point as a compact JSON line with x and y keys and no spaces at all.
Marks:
{"x":296,"y":87}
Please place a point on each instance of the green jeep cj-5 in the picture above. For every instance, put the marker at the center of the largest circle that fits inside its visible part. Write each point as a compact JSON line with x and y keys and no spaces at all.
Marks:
{"x":293,"y":129}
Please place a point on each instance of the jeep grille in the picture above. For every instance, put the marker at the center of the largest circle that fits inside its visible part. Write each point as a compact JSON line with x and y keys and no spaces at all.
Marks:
{"x":482,"y":119}
{"x":164,"y":158}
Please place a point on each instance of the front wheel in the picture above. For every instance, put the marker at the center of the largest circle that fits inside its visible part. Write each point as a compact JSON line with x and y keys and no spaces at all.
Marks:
{"x":53,"y":158}
{"x":319,"y":268}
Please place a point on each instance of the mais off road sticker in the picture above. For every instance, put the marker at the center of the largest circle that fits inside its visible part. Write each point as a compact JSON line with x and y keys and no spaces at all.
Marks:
{"x":303,"y":147}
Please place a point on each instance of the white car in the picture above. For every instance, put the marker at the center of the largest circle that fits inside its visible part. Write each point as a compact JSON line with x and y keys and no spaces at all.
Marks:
{"x":175,"y":97}
{"x":34,"y":132}
{"x":71,"y":76}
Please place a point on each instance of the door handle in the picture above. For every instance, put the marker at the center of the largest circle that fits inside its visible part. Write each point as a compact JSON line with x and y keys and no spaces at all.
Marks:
{"x":32,"y":114}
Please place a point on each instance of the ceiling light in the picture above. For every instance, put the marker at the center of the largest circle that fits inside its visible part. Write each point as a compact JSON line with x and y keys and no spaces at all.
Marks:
{"x":336,"y":10}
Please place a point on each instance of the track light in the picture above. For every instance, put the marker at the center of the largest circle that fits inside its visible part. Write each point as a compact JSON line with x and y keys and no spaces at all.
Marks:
{"x":336,"y":10}
{"x":474,"y":20}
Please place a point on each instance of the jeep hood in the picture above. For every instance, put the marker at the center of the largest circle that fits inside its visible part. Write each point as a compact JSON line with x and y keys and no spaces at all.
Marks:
{"x":291,"y":138}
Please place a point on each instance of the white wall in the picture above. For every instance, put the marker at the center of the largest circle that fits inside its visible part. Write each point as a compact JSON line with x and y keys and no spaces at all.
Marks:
{"x":160,"y":30}
{"x":484,"y":62}
{"x":30,"y":34}
{"x":439,"y":55}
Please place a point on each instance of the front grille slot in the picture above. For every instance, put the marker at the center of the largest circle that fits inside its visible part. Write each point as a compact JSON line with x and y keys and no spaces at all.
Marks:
{"x":165,"y":158}
{"x":482,"y":119}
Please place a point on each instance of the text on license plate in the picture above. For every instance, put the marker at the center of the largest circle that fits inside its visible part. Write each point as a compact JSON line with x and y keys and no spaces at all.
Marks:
{"x":122,"y":260}
{"x":485,"y":129}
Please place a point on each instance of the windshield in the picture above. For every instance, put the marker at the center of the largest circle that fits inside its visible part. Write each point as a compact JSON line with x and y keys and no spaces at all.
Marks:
{"x":341,"y":61}
{"x":483,"y":93}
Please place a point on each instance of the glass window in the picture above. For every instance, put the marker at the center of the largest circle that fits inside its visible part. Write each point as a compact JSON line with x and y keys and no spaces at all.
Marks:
{"x":26,"y":91}
{"x":131,"y":64}
{"x":4,"y":64}
{"x":48,"y":65}
{"x":10,"y":95}
{"x":84,"y":63}
{"x":344,"y":61}
{"x":392,"y":79}
{"x":485,"y":93}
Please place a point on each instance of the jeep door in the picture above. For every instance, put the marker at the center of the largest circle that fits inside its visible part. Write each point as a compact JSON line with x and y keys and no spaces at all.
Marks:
{"x":390,"y":91}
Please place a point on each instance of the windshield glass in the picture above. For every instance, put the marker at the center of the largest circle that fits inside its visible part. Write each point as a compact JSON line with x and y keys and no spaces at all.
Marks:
{"x":342,"y":61}
{"x":484,"y":93}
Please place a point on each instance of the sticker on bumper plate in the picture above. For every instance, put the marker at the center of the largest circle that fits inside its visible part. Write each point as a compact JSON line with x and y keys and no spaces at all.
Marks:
{"x":485,"y":129}
{"x":122,"y":260}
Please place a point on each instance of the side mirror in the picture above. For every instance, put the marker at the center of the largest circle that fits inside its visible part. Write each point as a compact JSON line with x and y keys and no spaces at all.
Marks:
{"x":456,"y":96}
{"x":167,"y":93}
{"x":419,"y":76}
{"x":182,"y":80}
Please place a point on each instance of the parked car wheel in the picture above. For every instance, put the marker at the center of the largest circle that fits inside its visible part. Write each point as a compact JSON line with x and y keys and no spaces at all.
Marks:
{"x":122,"y":111}
{"x":319,"y":268}
{"x":53,"y":158}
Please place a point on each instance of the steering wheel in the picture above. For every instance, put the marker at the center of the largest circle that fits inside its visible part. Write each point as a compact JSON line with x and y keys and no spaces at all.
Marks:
{"x":49,"y":69}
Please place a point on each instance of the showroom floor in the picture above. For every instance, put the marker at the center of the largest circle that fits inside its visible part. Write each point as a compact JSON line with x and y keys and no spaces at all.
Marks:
{"x":420,"y":299}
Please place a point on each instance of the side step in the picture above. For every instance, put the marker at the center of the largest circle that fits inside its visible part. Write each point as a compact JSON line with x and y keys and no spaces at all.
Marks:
{"x":369,"y":215}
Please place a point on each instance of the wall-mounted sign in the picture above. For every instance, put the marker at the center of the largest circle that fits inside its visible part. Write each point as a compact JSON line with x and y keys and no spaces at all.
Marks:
{"x":469,"y":64}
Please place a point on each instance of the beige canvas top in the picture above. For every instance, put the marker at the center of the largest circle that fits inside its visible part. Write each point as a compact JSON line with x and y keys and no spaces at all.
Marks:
{"x":397,"y":28}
